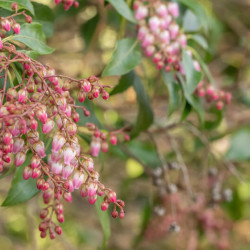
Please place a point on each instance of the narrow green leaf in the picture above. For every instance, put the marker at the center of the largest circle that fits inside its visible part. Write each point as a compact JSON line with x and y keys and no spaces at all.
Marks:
{"x":123,"y":9}
{"x":32,"y":36}
{"x":145,"y":115}
{"x":239,"y":146}
{"x":45,"y":16}
{"x":200,"y":40}
{"x":104,"y":221}
{"x":21,"y":190}
{"x":88,"y":29}
{"x":190,"y":22}
{"x":173,"y":92}
{"x":22,"y":4}
{"x":193,"y":77}
{"x":186,"y":111}
{"x":126,"y":56}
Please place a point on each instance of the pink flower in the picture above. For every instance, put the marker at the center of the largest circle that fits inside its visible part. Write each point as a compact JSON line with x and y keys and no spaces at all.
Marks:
{"x":78,"y":179}
{"x":142,"y":32}
{"x":39,"y":148}
{"x":6,"y":25}
{"x":112,"y":196}
{"x":71,"y":129}
{"x":154,"y":23}
{"x":67,"y":171}
{"x":104,"y":206}
{"x":1,"y":43}
{"x":7,"y":137}
{"x":56,"y":167}
{"x":42,"y":115}
{"x":89,"y":164}
{"x":84,"y":190}
{"x":141,"y":12}
{"x":68,"y":111}
{"x":95,"y":147}
{"x":173,"y":9}
{"x":67,"y":196}
{"x":27,"y":172}
{"x":20,"y":158}
{"x":165,"y":22}
{"x":16,"y":28}
{"x":35,"y":161}
{"x":48,"y":126}
{"x":69,"y":155}
{"x":92,"y":199}
{"x":149,"y":51}
{"x":165,"y":37}
{"x":148,"y":40}
{"x":22,"y":96}
{"x":92,"y":187}
{"x":197,"y":66}
{"x":162,"y":10}
{"x":174,"y":30}
{"x":18,"y":145}
{"x":58,"y":142}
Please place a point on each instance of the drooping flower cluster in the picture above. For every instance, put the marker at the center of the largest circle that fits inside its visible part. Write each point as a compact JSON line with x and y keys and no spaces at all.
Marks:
{"x":159,"y":33}
{"x":67,"y":3}
{"x":40,"y":112}
{"x":212,"y":95}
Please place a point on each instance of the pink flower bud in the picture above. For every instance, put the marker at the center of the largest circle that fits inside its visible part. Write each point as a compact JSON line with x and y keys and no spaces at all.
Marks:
{"x":92,"y":199}
{"x":201,"y":92}
{"x":142,"y":32}
{"x":114,"y":214}
{"x":162,"y":10}
{"x":69,"y":155}
{"x":22,"y":126}
{"x":75,"y":117}
{"x":228,"y":98}
{"x":210,"y":91}
{"x":215,"y":97}
{"x":60,"y":218}
{"x":165,"y":37}
{"x":81,"y":96}
{"x":22,"y":96}
{"x":58,"y":142}
{"x":35,"y":161}
{"x":68,"y":111}
{"x":6,"y":25}
{"x":141,"y":12}
{"x":154,"y":23}
{"x":7,"y":137}
{"x":67,"y":196}
{"x":56,"y":167}
{"x":67,"y":171}
{"x":84,"y":190}
{"x":78,"y":179}
{"x":104,"y":147}
{"x":58,"y":230}
{"x":27,"y":172}
{"x":48,"y":194}
{"x":6,"y":158}
{"x":18,"y":145}
{"x":16,"y":28}
{"x":122,"y":214}
{"x":33,"y":136}
{"x":100,"y":189}
{"x":105,"y":95}
{"x":42,"y":115}
{"x":70,"y":186}
{"x":20,"y":158}
{"x":92,"y":187}
{"x":1,"y":44}
{"x":71,"y":129}
{"x":86,"y":86}
{"x":219,"y":105}
{"x":62,"y":104}
{"x":113,"y":139}
{"x":39,"y":148}
{"x":39,"y":183}
{"x":174,"y":30}
{"x":148,"y":40}
{"x":89,"y":164}
{"x":165,"y":22}
{"x":36,"y":173}
{"x":95,"y":92}
{"x":104,"y":206}
{"x":95,"y":147}
{"x":149,"y":50}
{"x":112,"y":196}
{"x":57,"y":1}
{"x":48,"y":126}
{"x":197,"y":66}
{"x":173,"y":9}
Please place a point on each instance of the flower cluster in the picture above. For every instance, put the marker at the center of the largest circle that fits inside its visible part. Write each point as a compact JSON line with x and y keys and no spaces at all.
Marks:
{"x":38,"y":117}
{"x":68,"y":3}
{"x":159,"y":33}
{"x":212,"y":95}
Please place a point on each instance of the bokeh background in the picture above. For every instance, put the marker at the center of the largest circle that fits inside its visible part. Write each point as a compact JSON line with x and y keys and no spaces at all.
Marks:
{"x":122,"y":168}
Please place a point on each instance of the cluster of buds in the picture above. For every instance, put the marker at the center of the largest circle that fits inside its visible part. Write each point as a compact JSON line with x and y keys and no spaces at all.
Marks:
{"x":8,"y":23}
{"x":68,"y":3}
{"x":99,"y":140}
{"x":159,"y":33}
{"x":212,"y":95}
{"x":41,"y":108}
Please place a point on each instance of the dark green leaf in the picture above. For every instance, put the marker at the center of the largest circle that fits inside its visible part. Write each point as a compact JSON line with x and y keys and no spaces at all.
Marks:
{"x":104,"y":221}
{"x":123,"y":9}
{"x":145,"y":115}
{"x":22,"y":4}
{"x":186,"y":111}
{"x":32,"y":36}
{"x":88,"y":29}
{"x":191,"y":22}
{"x":21,"y":190}
{"x":193,"y":77}
{"x":45,"y":16}
{"x":217,"y":116}
{"x":173,"y":92}
{"x":239,"y":146}
{"x":126,"y":56}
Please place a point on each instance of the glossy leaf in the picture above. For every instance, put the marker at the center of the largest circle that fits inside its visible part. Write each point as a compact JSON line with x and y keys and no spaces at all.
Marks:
{"x":145,"y":115}
{"x":33,"y":37}
{"x":173,"y":92}
{"x":126,"y":56}
{"x":104,"y":221}
{"x":239,"y":146}
{"x":21,"y":190}
{"x":88,"y":29}
{"x":45,"y":16}
{"x":22,"y":4}
{"x":123,"y":9}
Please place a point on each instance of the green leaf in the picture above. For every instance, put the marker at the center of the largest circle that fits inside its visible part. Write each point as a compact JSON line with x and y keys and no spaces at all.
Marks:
{"x":213,"y":123}
{"x":126,"y":56}
{"x":11,"y":169}
{"x":200,"y":40}
{"x":21,"y":190}
{"x":123,"y":9}
{"x":145,"y":115}
{"x":32,"y":36}
{"x":190,"y":22}
{"x":186,"y":111}
{"x":22,"y":4}
{"x":125,"y":82}
{"x":104,"y":221}
{"x":193,"y":77}
{"x":173,"y":92}
{"x":88,"y":29}
{"x":239,"y":146}
{"x":45,"y":16}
